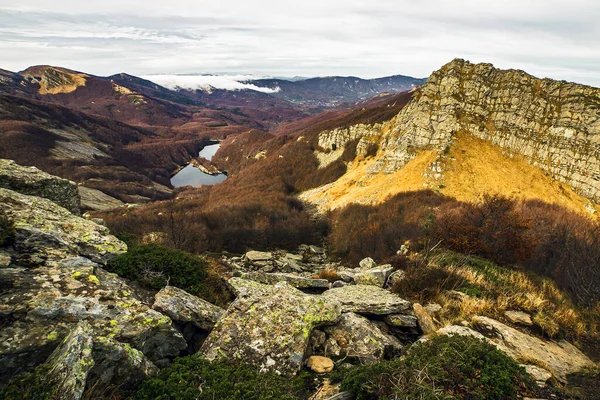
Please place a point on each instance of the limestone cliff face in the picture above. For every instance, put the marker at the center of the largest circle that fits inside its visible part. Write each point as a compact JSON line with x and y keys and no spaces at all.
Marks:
{"x":555,"y":125}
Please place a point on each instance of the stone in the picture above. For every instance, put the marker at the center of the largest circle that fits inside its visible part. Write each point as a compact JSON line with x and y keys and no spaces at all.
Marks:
{"x":367,"y":263}
{"x":346,"y":276}
{"x":356,"y":338}
{"x":540,"y":375}
{"x":269,"y":328}
{"x":31,"y":181}
{"x":456,"y":295}
{"x":245,"y":288}
{"x":5,"y":259}
{"x":320,"y":364}
{"x":70,"y":363}
{"x":117,"y":367}
{"x":518,"y":317}
{"x":338,"y":284}
{"x":459,"y":330}
{"x":45,"y":231}
{"x":255,"y":256}
{"x":296,"y":281}
{"x":93,"y":199}
{"x":366,"y":299}
{"x":432,"y":308}
{"x":316,"y":250}
{"x":181,"y":306}
{"x":394,"y":278}
{"x":559,"y":358}
{"x":375,"y":276}
{"x":401,"y":320}
{"x":424,"y":318}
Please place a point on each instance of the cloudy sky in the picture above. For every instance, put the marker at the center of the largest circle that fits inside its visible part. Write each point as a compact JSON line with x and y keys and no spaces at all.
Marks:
{"x":557,"y":39}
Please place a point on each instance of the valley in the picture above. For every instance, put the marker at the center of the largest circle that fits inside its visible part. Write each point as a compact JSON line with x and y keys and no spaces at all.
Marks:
{"x":332,"y":239}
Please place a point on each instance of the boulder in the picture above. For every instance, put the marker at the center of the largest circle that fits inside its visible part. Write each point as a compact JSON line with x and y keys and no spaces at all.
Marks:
{"x":255,"y":256}
{"x":117,"y":367}
{"x":70,"y":364}
{"x":540,"y":375}
{"x":245,"y":287}
{"x":296,"y":281}
{"x":46,"y":231}
{"x":518,"y":317}
{"x":181,"y":306}
{"x":424,"y":318}
{"x":357,"y":339}
{"x":269,"y":328}
{"x":394,"y":278}
{"x":366,"y":299}
{"x":375,"y":276}
{"x":560,"y":358}
{"x":319,"y":364}
{"x":459,"y":330}
{"x":32,"y":181}
{"x":433,"y":308}
{"x":367,"y":263}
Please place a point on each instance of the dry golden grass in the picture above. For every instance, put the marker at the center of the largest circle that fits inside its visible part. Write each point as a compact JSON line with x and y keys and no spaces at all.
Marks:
{"x":327,"y":274}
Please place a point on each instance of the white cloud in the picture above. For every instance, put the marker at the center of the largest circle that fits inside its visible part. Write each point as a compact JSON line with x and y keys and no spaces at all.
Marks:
{"x":209,"y":82}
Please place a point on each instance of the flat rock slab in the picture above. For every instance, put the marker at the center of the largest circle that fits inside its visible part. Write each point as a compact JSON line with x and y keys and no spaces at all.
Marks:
{"x":254,"y":256}
{"x":93,"y":199}
{"x":181,"y":306}
{"x":375,"y":276}
{"x":296,"y":281}
{"x":560,"y":358}
{"x":518,"y":317}
{"x":366,"y":299}
{"x":270,"y":328}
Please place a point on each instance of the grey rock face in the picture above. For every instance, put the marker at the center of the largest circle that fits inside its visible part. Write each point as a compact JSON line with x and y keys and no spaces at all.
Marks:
{"x":296,"y":281}
{"x":181,"y":306}
{"x":269,"y":328}
{"x":32,"y":181}
{"x":366,"y":299}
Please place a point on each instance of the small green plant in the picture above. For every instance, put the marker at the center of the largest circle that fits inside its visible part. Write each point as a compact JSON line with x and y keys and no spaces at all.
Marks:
{"x":194,"y":378}
{"x":446,"y":367}
{"x":7,"y":230}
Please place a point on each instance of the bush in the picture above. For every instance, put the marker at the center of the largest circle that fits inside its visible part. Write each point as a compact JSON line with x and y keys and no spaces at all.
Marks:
{"x":156,"y":266}
{"x":30,"y":386}
{"x":446,"y":367}
{"x":194,"y":378}
{"x":7,"y":230}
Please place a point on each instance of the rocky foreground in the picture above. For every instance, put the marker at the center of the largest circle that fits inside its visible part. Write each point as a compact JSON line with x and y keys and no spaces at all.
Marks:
{"x":59,"y":306}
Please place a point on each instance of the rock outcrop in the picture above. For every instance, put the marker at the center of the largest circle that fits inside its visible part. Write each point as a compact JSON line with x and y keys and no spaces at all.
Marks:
{"x":183,"y":307}
{"x":269,"y":328}
{"x":367,"y":299}
{"x":32,"y":181}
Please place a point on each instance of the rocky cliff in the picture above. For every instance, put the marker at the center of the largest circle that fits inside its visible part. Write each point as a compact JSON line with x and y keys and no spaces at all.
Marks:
{"x":554,"y":125}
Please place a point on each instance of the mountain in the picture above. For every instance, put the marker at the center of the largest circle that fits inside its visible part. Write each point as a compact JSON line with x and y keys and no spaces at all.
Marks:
{"x":336,"y":90}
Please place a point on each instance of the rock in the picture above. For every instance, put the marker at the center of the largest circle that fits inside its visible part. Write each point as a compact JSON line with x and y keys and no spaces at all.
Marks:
{"x":519,"y":317}
{"x":338,"y":284}
{"x":459,"y":330}
{"x":46,"y":231}
{"x":93,"y":199}
{"x":70,"y":363}
{"x":296,"y":281}
{"x":319,"y":364}
{"x":31,"y":181}
{"x":255,"y":256}
{"x":346,"y":276}
{"x":365,"y":299}
{"x":316,"y":250}
{"x":394,"y":278}
{"x":560,"y":358}
{"x":540,"y":375}
{"x":269,"y":328}
{"x":181,"y":306}
{"x":367,"y":263}
{"x":356,"y":338}
{"x":401,"y":320}
{"x":456,"y":295}
{"x":5,"y":259}
{"x":117,"y":367}
{"x":425,"y":321}
{"x":245,"y":288}
{"x":432,"y":308}
{"x":374,"y":276}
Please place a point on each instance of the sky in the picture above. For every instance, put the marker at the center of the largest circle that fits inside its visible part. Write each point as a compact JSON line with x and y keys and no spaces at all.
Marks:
{"x":549,"y":38}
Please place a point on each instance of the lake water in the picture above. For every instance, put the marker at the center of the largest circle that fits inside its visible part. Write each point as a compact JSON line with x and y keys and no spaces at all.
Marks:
{"x":192,"y":176}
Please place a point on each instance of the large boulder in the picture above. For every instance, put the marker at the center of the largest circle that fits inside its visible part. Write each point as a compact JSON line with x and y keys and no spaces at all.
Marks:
{"x":32,"y":181}
{"x":560,"y":358}
{"x":424,"y":319}
{"x":70,"y":364}
{"x":355,"y":338}
{"x":367,"y":299}
{"x":374,"y":276}
{"x":183,"y":307}
{"x":47,"y":232}
{"x":294,"y":280}
{"x":269,"y":328}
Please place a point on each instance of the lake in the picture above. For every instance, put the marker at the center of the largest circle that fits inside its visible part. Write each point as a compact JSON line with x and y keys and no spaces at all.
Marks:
{"x":192,"y":176}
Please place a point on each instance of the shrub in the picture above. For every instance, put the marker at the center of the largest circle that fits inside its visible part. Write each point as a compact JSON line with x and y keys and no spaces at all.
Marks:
{"x":446,"y":367}
{"x":30,"y":386}
{"x":156,"y":266}
{"x":194,"y":378}
{"x":329,"y":274}
{"x":7,"y":230}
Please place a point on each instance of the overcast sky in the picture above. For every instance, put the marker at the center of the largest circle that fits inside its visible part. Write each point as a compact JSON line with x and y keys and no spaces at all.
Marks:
{"x":548,"y":38}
